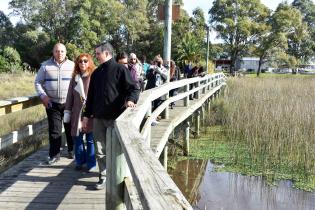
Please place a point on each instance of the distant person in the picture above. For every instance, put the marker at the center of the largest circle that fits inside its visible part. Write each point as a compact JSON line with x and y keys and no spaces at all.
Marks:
{"x":51,"y":84}
{"x":174,"y":76}
{"x":156,"y":76}
{"x":77,"y":93}
{"x":122,"y":58}
{"x":136,"y":65}
{"x":111,"y":90}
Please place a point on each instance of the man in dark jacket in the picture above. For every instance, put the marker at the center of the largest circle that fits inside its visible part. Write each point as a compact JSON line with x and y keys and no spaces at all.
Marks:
{"x":111,"y":90}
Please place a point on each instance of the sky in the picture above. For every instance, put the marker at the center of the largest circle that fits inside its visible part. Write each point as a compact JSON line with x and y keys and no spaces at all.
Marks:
{"x":189,"y":6}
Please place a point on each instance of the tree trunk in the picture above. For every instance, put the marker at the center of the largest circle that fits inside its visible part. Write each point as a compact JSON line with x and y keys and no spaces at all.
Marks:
{"x":259,"y":66}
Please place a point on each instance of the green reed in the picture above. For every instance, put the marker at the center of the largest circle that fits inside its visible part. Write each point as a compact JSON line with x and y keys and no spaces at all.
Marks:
{"x":275,"y":119}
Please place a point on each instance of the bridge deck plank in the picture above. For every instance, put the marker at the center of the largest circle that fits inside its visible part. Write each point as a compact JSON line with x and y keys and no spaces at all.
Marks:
{"x":32,"y":184}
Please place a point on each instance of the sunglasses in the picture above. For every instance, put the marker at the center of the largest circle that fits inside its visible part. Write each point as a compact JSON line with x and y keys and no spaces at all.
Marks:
{"x":83,"y":61}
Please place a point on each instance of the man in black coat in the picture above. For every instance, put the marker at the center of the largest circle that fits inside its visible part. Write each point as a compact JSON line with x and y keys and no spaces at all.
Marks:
{"x":111,"y":90}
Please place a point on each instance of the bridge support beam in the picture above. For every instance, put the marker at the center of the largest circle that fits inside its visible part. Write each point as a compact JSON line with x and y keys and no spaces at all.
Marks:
{"x":186,"y":138}
{"x":117,"y":167}
{"x":202,"y":115}
{"x":197,"y":123}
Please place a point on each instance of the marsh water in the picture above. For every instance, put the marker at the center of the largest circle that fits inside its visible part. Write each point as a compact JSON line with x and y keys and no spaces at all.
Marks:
{"x":206,"y":189}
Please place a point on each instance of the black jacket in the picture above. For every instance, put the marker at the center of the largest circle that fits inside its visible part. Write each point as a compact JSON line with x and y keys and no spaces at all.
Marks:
{"x":110,"y":87}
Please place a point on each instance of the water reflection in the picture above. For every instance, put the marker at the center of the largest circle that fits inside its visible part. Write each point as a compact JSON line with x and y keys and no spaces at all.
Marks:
{"x":206,"y":189}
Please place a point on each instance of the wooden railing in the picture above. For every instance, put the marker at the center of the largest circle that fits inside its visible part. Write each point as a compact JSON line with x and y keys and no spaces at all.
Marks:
{"x":136,"y":177}
{"x":17,"y":104}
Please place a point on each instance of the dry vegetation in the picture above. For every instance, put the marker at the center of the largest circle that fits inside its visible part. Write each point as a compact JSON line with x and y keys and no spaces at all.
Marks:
{"x":15,"y":85}
{"x":275,"y":119}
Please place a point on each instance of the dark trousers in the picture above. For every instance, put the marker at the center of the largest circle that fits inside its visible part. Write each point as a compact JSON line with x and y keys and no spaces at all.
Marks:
{"x":55,"y":116}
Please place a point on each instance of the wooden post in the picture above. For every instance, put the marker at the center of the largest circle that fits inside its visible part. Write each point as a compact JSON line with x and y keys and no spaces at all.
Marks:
{"x":198,"y":92}
{"x":147,"y":115}
{"x":197,"y":123}
{"x":14,"y":136}
{"x":202,"y":116}
{"x":30,"y":130}
{"x":165,"y":151}
{"x":186,"y":138}
{"x":117,"y":170}
{"x":208,"y":83}
{"x":186,"y":173}
{"x":0,"y":143}
{"x":186,"y":99}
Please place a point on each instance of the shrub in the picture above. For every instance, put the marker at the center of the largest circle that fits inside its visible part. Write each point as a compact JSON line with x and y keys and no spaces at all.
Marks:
{"x":10,"y":60}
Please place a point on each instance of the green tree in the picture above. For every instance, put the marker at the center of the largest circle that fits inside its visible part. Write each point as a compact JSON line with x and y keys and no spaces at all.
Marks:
{"x":237,"y":22}
{"x":189,"y":49}
{"x":6,"y":30}
{"x":34,"y":45}
{"x":305,"y":49}
{"x":10,"y":60}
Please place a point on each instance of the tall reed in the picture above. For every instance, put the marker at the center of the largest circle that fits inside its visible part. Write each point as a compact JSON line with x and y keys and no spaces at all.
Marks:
{"x":275,"y":119}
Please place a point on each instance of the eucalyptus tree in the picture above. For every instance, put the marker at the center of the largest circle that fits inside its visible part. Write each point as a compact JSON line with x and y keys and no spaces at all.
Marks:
{"x":306,"y":48}
{"x":289,"y":20}
{"x":238,"y":23}
{"x":6,"y":30}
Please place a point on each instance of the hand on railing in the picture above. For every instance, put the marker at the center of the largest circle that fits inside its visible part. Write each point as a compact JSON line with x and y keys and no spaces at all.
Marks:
{"x":130,"y":104}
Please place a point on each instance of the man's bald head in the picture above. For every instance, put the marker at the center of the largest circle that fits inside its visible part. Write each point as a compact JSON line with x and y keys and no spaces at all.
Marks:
{"x":59,"y":52}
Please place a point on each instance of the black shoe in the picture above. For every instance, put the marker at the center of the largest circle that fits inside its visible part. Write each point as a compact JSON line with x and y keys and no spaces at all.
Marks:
{"x":78,"y":168}
{"x":53,"y":160}
{"x":70,"y":155}
{"x":101,"y":184}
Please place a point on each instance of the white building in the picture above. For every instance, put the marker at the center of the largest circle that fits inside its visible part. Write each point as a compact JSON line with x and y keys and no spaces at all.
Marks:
{"x":249,"y":64}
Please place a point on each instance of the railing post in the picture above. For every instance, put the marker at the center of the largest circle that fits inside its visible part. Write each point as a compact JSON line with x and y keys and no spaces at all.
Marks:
{"x":166,"y":112}
{"x":165,"y":151}
{"x":14,"y":136}
{"x":198,"y":92}
{"x":186,"y":138}
{"x":30,"y":130}
{"x":186,"y":99}
{"x":147,"y":115}
{"x":197,"y":123}
{"x":117,"y":170}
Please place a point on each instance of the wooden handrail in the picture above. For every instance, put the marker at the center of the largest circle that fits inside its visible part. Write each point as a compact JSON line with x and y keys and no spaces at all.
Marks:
{"x":16,"y":104}
{"x":154,"y":186}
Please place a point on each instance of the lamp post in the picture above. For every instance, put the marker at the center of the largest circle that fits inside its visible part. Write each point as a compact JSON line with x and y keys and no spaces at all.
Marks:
{"x":208,"y":41}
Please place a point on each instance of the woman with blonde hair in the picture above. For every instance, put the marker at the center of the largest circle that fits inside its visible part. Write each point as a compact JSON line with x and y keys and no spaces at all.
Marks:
{"x":77,"y":93}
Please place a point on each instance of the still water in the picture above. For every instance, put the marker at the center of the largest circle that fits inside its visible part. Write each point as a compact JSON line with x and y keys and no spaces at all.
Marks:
{"x":206,"y":189}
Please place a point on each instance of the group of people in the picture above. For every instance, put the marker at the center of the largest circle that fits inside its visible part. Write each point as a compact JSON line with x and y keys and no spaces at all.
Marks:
{"x":87,"y":99}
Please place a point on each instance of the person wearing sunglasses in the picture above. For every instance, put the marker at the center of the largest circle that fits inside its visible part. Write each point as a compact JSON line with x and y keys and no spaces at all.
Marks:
{"x":136,"y":66}
{"x":76,"y":98}
{"x":51,"y":84}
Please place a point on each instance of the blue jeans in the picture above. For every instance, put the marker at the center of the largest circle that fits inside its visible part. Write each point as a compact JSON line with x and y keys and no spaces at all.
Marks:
{"x":83,"y":155}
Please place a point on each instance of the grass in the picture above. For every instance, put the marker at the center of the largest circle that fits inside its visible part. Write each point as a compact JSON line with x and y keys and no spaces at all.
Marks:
{"x":267,"y":128}
{"x":15,"y":85}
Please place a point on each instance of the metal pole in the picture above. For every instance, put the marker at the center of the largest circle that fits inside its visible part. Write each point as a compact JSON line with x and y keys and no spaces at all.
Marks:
{"x":167,"y":42}
{"x":207,"y":58}
{"x":167,"y":32}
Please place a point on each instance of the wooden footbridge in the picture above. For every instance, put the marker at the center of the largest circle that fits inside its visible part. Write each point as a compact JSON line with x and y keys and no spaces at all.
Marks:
{"x":136,"y":179}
